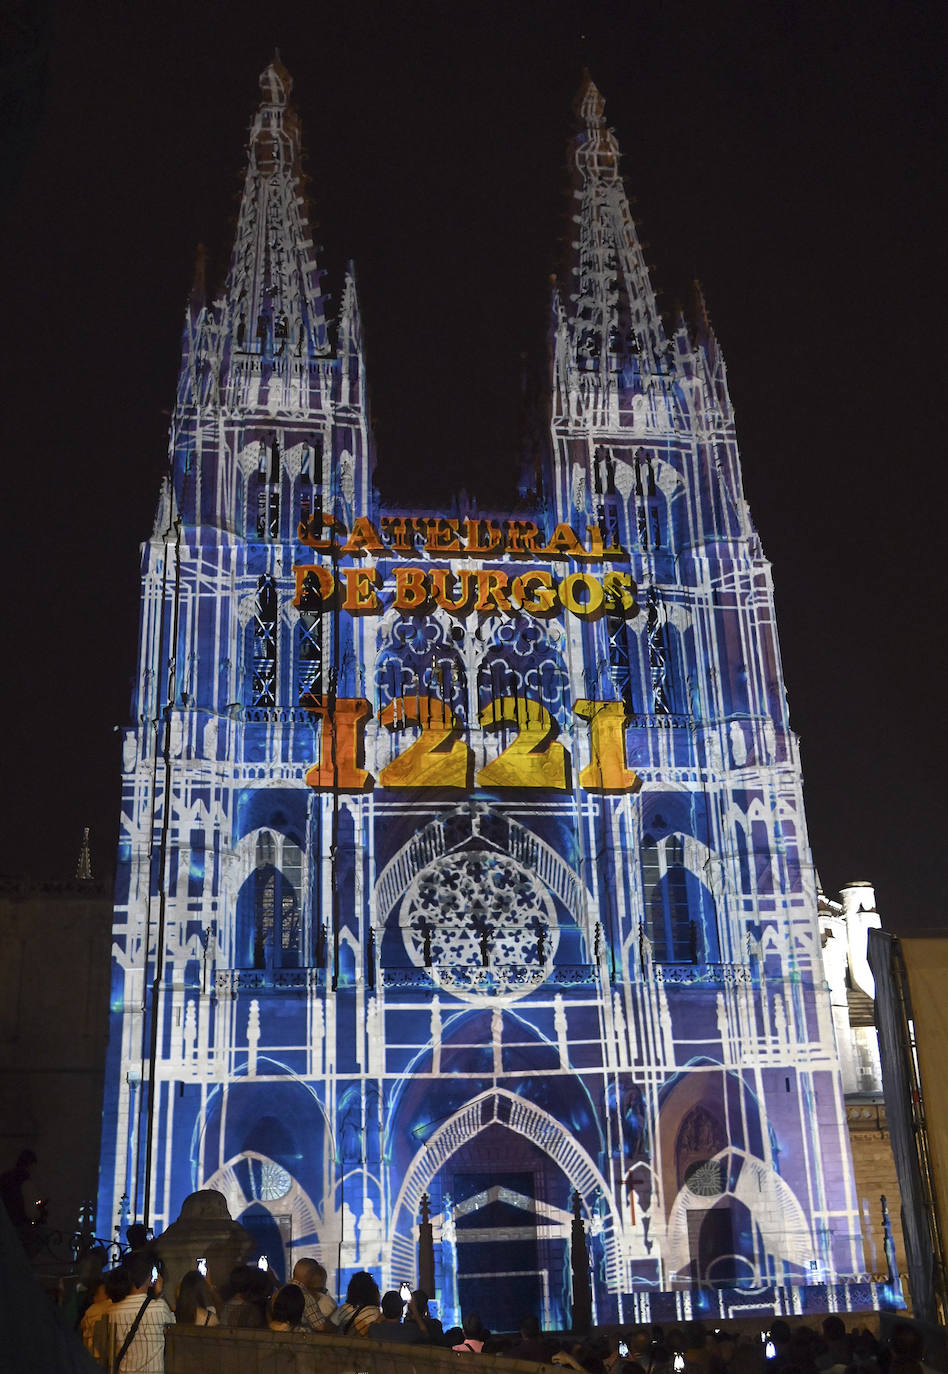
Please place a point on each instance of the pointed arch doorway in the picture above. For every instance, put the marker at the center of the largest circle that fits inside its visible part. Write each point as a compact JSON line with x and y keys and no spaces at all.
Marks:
{"x":500,"y":1174}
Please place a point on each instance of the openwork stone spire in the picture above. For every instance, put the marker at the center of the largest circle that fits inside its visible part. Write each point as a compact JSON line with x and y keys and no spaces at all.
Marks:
{"x":84,"y":866}
{"x":275,"y":304}
{"x":609,"y":304}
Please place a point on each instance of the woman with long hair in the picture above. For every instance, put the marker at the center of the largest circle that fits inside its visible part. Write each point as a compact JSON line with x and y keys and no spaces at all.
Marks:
{"x":286,"y":1310}
{"x":361,"y":1307}
{"x":195,"y":1304}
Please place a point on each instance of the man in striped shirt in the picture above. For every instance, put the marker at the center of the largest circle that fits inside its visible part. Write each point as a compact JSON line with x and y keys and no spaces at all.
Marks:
{"x":146,"y":1351}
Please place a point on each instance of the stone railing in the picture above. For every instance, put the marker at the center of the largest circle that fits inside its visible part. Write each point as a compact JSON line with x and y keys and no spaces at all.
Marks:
{"x":703,"y":973}
{"x":226,"y":1350}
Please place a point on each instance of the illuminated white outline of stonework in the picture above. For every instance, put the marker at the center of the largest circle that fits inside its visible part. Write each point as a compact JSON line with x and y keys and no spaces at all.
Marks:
{"x":443,"y":978}
{"x":434,"y":1154}
{"x":534,"y":854}
{"x":758,"y":1187}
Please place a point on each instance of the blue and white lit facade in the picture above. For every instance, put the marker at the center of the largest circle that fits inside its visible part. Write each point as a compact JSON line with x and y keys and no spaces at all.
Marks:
{"x":468,"y":857}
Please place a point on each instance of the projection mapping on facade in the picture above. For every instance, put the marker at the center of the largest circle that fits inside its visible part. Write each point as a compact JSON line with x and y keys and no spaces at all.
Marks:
{"x":465,"y":855}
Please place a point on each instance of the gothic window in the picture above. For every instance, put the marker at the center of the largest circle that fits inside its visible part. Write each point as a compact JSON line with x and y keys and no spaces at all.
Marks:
{"x":679,"y":909}
{"x":269,"y":933}
{"x":478,"y":911}
{"x":421,"y":657}
{"x":523,"y":661}
{"x":268,"y":495}
{"x":658,"y":657}
{"x":266,"y":613}
{"x":651,"y":512}
{"x":671,"y":930}
{"x":623,"y":661}
{"x":309,"y":655}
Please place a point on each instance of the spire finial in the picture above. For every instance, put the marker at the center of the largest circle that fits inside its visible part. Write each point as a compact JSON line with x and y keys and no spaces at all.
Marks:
{"x":614,"y":329}
{"x":276,"y":83}
{"x":590,"y":102}
{"x":84,"y":866}
{"x":275,"y":307}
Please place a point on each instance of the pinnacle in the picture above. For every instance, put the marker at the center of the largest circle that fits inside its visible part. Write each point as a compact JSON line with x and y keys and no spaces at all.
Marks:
{"x":590,"y":102}
{"x":84,"y":866}
{"x":275,"y":83}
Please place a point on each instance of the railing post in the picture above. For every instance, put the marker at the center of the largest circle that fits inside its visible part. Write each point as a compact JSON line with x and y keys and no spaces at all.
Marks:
{"x":426,"y":1271}
{"x":579,"y":1263}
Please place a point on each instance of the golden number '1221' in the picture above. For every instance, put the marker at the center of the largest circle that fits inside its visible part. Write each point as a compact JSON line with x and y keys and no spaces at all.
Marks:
{"x":440,"y":757}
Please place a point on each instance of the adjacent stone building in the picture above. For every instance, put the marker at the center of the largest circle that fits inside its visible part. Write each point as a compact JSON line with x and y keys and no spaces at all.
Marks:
{"x":54,"y":1019}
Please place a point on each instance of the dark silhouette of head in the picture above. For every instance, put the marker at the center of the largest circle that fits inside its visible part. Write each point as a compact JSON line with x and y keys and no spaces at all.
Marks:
{"x":137,"y":1235}
{"x":392,"y":1305}
{"x":363,"y":1291}
{"x":906,"y":1343}
{"x":139,"y":1265}
{"x":194,"y":1291}
{"x":288,"y":1305}
{"x":238,"y":1281}
{"x":529,"y":1327}
{"x":117,"y":1283}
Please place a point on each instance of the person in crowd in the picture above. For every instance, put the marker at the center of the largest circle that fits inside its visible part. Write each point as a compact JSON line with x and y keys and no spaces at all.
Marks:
{"x":138,"y":1321}
{"x":286,"y":1310}
{"x":88,"y":1282}
{"x":249,"y":1314}
{"x":867,"y":1352}
{"x":781,"y":1336}
{"x":838,"y":1346}
{"x":474,"y":1335}
{"x":136,"y":1234}
{"x":252,"y":1309}
{"x":237,"y":1285}
{"x":96,"y":1329}
{"x":17,"y":1195}
{"x":361,"y":1307}
{"x":430,"y":1330}
{"x":97,"y":1309}
{"x":532,"y":1345}
{"x":195,"y":1303}
{"x":597,"y":1355}
{"x":695,"y":1348}
{"x":907,"y":1349}
{"x":318,"y":1307}
{"x":722,"y":1351}
{"x":389,"y":1325}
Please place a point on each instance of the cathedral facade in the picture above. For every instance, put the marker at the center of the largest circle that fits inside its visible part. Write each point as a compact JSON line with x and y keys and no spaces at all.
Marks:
{"x":464,"y":872}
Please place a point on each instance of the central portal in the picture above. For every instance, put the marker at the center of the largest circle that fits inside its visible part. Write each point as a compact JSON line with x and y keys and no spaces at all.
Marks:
{"x":504,"y":1207}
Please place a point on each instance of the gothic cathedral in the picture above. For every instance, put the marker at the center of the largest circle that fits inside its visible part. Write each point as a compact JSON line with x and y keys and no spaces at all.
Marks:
{"x":463,"y":869}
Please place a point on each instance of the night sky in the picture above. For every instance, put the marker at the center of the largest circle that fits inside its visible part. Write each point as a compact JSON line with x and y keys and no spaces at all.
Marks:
{"x":790,"y":156}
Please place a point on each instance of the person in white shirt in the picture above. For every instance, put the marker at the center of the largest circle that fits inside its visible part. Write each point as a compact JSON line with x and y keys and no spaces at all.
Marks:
{"x":146,"y":1350}
{"x":310,"y":1275}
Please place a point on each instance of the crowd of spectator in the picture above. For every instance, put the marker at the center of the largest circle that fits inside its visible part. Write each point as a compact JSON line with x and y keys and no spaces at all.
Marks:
{"x":122,"y":1314}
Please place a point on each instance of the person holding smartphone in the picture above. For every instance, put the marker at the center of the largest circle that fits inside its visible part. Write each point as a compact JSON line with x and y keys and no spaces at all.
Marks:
{"x":138,"y":1322}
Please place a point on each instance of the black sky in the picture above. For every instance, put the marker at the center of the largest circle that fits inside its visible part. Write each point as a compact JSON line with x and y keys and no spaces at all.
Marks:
{"x":788,"y":155}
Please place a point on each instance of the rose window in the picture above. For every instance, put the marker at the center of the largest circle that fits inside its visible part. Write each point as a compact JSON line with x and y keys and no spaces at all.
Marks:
{"x":481,"y":923}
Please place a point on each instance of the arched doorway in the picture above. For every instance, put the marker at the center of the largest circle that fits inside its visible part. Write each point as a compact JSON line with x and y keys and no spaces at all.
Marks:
{"x":500,"y":1173}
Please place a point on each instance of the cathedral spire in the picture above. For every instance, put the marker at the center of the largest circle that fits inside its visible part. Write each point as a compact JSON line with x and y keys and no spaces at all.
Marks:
{"x":84,"y":866}
{"x":610,"y":305}
{"x":273,"y":294}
